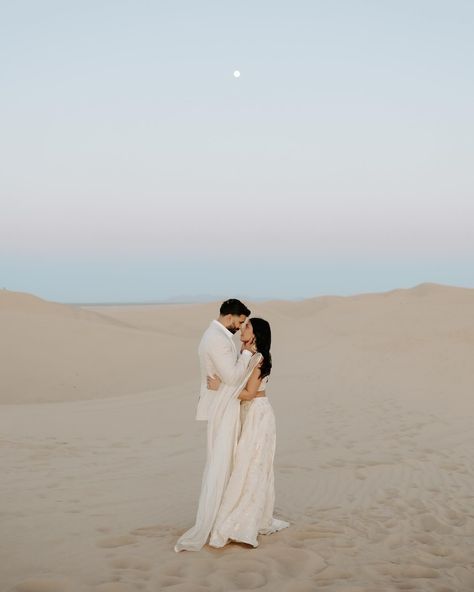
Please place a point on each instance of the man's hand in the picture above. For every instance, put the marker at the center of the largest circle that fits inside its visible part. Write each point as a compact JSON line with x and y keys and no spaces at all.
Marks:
{"x":213,"y":383}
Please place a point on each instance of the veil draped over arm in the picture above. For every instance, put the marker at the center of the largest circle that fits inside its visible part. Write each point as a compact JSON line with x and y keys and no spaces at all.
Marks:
{"x":222,"y":435}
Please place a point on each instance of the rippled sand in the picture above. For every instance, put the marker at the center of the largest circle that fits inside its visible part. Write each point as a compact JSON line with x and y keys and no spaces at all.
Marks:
{"x":102,"y":458}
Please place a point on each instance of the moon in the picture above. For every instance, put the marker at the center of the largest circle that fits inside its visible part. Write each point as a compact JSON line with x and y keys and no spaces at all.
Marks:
{"x":236,"y":73}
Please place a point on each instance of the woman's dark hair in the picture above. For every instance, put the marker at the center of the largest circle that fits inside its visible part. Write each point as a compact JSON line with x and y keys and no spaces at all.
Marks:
{"x":263,"y":341}
{"x":234,"y":307}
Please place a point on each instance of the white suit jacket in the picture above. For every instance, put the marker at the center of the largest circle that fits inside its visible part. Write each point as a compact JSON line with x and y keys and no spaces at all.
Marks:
{"x":218,"y":356}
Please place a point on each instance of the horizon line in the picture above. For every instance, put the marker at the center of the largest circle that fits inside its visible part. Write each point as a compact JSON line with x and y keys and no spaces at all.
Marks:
{"x":209,"y":298}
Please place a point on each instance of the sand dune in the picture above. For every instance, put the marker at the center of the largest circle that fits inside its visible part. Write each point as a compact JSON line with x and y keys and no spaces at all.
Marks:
{"x":56,"y":352}
{"x":102,"y":458}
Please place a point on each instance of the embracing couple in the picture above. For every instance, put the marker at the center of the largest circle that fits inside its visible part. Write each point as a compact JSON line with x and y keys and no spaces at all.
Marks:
{"x":237,"y":489}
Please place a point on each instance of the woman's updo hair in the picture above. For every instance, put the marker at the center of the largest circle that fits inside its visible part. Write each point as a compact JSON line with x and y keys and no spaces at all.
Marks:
{"x":263,"y":341}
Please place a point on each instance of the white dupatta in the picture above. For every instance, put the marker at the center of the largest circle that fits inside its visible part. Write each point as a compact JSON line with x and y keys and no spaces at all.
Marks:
{"x":223,"y":429}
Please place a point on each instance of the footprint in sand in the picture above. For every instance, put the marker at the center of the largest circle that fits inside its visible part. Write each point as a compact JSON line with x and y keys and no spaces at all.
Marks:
{"x":455,"y":518}
{"x":429,"y":524}
{"x":178,"y":584}
{"x":417,"y":505}
{"x":449,"y":466}
{"x":131,"y":563}
{"x":171,"y":573}
{"x":336,"y":462}
{"x":44,"y":585}
{"x":158,"y":530}
{"x":439,"y":551}
{"x":177,"y":574}
{"x":112,"y":587}
{"x":332,"y":572}
{"x":249,"y":580}
{"x":408,"y":571}
{"x":425,"y":539}
{"x":116,"y":541}
{"x":391,"y":493}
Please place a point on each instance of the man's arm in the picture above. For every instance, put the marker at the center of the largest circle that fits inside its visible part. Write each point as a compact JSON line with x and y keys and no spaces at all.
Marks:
{"x":222,"y":355}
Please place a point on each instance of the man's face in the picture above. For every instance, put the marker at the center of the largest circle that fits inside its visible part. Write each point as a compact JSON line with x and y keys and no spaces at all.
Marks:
{"x":235,"y":322}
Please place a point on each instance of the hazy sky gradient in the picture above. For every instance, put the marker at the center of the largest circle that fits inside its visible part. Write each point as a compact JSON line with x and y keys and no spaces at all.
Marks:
{"x":136,"y":167}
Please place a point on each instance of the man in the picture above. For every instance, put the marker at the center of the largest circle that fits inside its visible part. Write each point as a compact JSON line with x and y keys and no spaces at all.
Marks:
{"x":218,"y":353}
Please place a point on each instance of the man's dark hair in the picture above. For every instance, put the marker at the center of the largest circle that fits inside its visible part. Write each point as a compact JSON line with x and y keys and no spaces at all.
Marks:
{"x":234,"y":307}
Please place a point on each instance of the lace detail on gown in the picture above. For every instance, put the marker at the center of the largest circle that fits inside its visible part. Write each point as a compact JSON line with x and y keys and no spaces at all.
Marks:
{"x":247,"y":506}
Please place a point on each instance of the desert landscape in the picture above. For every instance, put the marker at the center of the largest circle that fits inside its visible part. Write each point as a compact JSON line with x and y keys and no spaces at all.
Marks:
{"x":102,"y":458}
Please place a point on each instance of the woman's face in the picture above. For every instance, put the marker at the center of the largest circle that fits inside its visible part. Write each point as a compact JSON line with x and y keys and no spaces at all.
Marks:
{"x":246,"y":331}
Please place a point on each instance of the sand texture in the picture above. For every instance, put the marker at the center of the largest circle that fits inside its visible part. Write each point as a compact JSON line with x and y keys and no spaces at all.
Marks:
{"x":101,"y":458}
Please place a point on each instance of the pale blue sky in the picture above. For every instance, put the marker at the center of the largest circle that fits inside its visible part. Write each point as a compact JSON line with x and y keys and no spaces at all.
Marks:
{"x":136,"y":167}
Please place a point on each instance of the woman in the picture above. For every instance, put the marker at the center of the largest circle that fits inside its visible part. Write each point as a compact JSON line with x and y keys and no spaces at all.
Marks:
{"x":247,"y":504}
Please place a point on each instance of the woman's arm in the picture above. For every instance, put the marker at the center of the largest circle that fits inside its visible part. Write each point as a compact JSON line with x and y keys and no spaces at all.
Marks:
{"x":251,"y":388}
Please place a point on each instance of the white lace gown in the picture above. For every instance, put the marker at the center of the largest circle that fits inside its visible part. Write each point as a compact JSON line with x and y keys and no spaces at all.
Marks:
{"x":248,"y":501}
